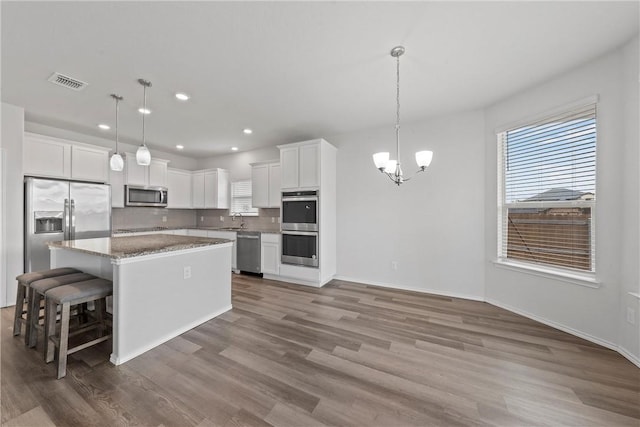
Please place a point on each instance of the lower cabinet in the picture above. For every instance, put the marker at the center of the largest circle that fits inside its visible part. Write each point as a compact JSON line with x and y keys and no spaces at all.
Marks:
{"x":270,"y":253}
{"x":231,"y":235}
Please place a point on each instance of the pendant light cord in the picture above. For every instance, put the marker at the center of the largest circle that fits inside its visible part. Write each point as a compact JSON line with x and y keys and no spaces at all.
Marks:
{"x":117,"y":110}
{"x":144,"y":112}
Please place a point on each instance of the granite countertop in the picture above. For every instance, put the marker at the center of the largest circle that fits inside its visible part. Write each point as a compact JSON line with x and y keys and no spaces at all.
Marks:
{"x":134,"y":246}
{"x":231,"y":229}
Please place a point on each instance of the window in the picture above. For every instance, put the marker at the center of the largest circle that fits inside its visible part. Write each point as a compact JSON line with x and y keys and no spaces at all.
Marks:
{"x":546,"y":191}
{"x":241,"y":199}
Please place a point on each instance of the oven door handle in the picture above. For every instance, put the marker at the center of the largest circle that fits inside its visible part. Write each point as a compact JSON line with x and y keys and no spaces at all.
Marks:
{"x":299,"y":199}
{"x":301,"y":233}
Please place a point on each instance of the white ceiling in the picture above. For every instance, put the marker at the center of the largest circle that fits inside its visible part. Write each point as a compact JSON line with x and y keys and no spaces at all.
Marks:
{"x":289,"y":70}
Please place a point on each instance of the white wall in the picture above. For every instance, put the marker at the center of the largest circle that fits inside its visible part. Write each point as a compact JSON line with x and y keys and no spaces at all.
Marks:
{"x":630,"y":289}
{"x":433,"y":225}
{"x":12,"y":203}
{"x":593,"y":313}
{"x":177,"y":161}
{"x":238,"y":163}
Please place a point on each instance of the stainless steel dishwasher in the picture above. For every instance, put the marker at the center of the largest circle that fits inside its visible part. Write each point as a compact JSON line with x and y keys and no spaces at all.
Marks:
{"x":248,"y":251}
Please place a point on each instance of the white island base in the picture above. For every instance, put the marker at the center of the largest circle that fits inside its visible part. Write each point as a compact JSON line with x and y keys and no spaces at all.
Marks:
{"x":159,"y":296}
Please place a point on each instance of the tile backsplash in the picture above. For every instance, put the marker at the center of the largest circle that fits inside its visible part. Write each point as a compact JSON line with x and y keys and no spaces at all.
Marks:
{"x":126,"y":218}
{"x":122,"y":218}
{"x":267,"y":220}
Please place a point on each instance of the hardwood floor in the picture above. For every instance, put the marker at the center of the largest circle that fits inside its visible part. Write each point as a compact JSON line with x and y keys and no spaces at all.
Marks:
{"x":344,"y":355}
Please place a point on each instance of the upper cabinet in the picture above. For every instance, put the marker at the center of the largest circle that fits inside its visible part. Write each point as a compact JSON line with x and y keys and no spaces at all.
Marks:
{"x":301,"y":164}
{"x":265,"y":185}
{"x":210,"y":189}
{"x":154,"y":175}
{"x":59,"y":158}
{"x":179,"y":188}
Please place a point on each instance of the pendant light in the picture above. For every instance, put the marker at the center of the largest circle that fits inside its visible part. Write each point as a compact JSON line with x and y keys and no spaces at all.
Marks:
{"x":143,"y":156}
{"x":392,"y":167}
{"x":116,"y":162}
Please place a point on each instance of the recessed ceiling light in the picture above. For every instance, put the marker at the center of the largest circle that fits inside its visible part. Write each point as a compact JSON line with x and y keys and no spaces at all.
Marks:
{"x":182,"y":96}
{"x":104,"y":127}
{"x":234,"y":148}
{"x":144,"y":110}
{"x":247,"y":131}
{"x":180,"y":147}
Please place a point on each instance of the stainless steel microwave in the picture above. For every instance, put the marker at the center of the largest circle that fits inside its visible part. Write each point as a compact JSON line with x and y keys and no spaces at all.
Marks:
{"x":145,"y":196}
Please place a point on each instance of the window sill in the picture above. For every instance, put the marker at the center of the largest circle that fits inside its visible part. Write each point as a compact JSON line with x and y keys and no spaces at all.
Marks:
{"x":587,"y":279}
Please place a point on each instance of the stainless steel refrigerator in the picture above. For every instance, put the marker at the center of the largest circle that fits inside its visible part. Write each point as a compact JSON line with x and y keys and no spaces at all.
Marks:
{"x":62,"y":210}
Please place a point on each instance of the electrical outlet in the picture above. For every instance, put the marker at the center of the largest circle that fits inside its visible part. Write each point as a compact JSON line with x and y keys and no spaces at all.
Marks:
{"x":394,"y":265}
{"x":273,"y":219}
{"x":164,"y":218}
{"x":221,"y":218}
{"x":187,"y":272}
{"x":201,"y":219}
{"x":631,"y":315}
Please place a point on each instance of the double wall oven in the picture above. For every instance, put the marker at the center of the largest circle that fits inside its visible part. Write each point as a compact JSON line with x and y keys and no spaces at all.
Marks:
{"x":300,"y":228}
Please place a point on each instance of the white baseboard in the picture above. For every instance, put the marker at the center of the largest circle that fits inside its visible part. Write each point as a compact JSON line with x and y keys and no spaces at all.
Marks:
{"x":408,"y":288}
{"x":125,"y":358}
{"x":611,"y":346}
{"x":624,"y":352}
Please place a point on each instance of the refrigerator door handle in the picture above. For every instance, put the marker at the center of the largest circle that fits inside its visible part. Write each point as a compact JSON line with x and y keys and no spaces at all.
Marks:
{"x":72,"y":214}
{"x":65,"y":219}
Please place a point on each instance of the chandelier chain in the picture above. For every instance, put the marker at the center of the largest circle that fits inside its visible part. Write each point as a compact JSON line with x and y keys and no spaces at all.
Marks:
{"x":144,"y":112}
{"x":398,"y":108}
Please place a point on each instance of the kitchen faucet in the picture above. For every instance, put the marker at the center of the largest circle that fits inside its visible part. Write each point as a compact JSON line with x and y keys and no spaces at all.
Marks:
{"x":233,"y":218}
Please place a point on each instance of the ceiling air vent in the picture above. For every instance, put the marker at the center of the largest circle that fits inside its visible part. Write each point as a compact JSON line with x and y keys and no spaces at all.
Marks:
{"x":66,"y":81}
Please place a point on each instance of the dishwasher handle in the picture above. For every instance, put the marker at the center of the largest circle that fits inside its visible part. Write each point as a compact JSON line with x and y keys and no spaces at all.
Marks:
{"x":248,"y":237}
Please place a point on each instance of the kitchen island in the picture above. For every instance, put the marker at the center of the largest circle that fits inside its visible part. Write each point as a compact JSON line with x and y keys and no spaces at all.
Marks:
{"x":163,"y":285}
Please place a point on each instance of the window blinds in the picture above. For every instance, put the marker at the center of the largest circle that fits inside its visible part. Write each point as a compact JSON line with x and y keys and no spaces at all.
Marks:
{"x":241,"y":198}
{"x":548,"y":190}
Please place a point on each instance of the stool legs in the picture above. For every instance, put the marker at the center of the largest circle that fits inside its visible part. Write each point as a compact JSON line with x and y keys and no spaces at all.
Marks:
{"x":17,"y":315}
{"x":51,"y":312}
{"x":64,"y":340}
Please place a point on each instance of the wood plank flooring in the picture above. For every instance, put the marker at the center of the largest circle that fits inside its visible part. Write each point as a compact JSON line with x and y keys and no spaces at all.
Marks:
{"x":344,"y":355}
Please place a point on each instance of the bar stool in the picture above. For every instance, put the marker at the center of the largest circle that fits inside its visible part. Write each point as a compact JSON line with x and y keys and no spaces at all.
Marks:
{"x":24,"y":293}
{"x":96,"y":290}
{"x":37,"y":292}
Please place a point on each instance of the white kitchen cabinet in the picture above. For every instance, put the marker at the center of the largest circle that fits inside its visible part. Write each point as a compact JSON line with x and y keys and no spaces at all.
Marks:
{"x":89,"y":163}
{"x":230,"y":235}
{"x":197,"y":190}
{"x":134,"y":173}
{"x":181,"y":232}
{"x":158,"y":173}
{"x":216,"y":189}
{"x":210,"y":189}
{"x":179,"y":188}
{"x":265,"y":185}
{"x":196,"y":233}
{"x":51,"y":157}
{"x":116,"y":179}
{"x":270,"y":253}
{"x":154,"y":175}
{"x":300,"y":165}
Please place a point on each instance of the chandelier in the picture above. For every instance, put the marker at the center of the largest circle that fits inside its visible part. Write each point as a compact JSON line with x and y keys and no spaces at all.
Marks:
{"x":392,"y":168}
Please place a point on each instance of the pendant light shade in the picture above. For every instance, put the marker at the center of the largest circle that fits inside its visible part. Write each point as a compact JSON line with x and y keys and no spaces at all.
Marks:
{"x":116,"y":163}
{"x":392,"y":167}
{"x":143,"y":156}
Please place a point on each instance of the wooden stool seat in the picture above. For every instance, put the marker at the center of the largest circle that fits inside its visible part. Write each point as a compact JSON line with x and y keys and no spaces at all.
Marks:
{"x":95,"y":290}
{"x":37,"y":292}
{"x":23,"y":294}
